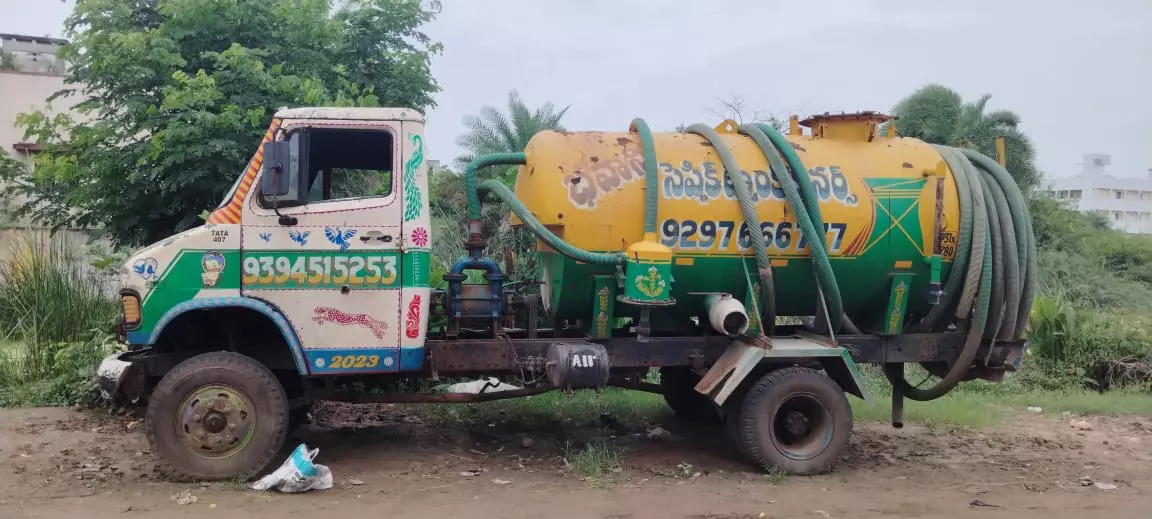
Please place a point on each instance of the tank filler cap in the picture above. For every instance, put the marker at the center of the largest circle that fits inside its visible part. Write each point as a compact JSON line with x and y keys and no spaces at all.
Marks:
{"x":858,"y":126}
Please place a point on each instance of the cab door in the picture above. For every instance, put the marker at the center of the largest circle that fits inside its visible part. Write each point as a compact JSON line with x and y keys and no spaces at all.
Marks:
{"x":331,"y":263}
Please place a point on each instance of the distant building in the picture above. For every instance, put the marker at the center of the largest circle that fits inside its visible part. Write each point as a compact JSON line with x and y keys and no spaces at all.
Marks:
{"x":1125,"y":201}
{"x":30,"y":72}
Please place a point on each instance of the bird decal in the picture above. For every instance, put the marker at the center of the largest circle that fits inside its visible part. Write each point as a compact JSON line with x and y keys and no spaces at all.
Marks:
{"x":339,"y":237}
{"x":301,"y":237}
{"x":145,"y":268}
{"x":266,"y":236}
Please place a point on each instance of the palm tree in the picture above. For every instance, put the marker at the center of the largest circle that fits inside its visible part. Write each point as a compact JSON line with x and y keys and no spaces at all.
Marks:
{"x":494,"y":131}
{"x":938,"y":114}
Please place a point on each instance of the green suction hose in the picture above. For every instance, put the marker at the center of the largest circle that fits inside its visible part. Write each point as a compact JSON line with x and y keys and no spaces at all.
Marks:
{"x":751,"y":221}
{"x":996,"y":251}
{"x":483,"y":161}
{"x":808,"y":216}
{"x":502,"y":192}
{"x":651,"y":181}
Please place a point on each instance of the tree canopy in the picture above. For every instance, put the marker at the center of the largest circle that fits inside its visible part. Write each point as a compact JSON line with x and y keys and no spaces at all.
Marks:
{"x":493,"y":131}
{"x":177,"y":94}
{"x":939,"y":115}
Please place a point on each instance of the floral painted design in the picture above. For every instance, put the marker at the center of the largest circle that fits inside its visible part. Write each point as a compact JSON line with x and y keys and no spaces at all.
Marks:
{"x":651,"y":285}
{"x":412,"y":322}
{"x":420,"y":237}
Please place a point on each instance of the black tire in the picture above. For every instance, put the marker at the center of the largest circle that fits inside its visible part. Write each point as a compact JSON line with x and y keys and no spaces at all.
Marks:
{"x":678,"y":384}
{"x":795,"y":419}
{"x":199,"y":437}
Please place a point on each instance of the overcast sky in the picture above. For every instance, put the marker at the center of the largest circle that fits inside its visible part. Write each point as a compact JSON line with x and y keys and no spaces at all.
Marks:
{"x":1078,"y":73}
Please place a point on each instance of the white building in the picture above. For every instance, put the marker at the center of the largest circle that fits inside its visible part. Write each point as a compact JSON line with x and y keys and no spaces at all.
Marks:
{"x":30,"y":72}
{"x":1126,"y":201}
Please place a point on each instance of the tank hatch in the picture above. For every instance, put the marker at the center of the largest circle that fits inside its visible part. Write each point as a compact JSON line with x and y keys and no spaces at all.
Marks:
{"x":858,"y":126}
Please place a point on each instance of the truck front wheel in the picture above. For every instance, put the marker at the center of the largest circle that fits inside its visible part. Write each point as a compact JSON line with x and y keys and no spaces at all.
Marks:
{"x":218,"y":416}
{"x":795,"y":419}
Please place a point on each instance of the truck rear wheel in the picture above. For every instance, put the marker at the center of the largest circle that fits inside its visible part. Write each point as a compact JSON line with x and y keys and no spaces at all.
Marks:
{"x":795,"y":419}
{"x":218,"y":416}
{"x":678,"y":385}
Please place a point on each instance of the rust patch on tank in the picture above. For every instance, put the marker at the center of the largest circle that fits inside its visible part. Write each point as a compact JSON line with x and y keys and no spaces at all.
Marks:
{"x":907,"y":165}
{"x":797,"y":147}
{"x":559,"y":216}
{"x":623,"y":141}
{"x":532,"y":171}
{"x":594,"y":158}
{"x":574,"y":179}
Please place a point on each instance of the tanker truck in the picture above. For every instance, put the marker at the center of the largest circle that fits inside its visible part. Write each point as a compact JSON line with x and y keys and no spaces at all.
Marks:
{"x":755,"y":269}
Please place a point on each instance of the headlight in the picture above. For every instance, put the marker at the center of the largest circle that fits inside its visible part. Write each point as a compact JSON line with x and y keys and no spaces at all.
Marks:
{"x":130,"y":307}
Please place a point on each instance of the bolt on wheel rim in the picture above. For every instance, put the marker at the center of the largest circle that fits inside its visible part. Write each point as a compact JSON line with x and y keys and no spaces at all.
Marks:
{"x":216,"y":421}
{"x":801,"y":426}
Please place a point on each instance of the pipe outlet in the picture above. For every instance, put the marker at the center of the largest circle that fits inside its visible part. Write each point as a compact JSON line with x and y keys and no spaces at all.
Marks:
{"x":727,"y":314}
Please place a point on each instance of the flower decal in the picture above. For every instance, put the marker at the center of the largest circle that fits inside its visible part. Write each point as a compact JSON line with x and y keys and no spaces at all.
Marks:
{"x":420,"y":237}
{"x":651,"y":285}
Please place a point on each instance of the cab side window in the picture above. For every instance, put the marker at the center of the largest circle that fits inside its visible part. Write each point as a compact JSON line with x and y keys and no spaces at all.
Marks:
{"x":348,"y":164}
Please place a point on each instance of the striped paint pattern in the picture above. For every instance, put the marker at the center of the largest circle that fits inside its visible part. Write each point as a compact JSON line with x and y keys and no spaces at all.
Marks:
{"x":231,"y":213}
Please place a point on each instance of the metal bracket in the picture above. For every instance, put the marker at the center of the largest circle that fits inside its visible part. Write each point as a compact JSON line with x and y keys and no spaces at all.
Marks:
{"x":741,"y":358}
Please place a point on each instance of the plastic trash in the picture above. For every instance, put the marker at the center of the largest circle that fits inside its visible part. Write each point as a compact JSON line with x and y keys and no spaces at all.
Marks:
{"x":475,"y":387}
{"x":297,"y":474}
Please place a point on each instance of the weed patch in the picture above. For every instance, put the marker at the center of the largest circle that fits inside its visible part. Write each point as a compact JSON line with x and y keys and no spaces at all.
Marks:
{"x":596,"y":462}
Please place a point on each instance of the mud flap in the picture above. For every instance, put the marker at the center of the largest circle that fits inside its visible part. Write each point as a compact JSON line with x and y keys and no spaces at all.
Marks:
{"x":118,"y":377}
{"x":741,"y":358}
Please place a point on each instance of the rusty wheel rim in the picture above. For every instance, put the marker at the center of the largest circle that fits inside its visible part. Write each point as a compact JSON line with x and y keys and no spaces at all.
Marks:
{"x":801,"y":426}
{"x":216,"y":421}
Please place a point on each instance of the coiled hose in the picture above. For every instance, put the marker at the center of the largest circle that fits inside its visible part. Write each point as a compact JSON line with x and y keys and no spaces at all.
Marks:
{"x":995,"y":262}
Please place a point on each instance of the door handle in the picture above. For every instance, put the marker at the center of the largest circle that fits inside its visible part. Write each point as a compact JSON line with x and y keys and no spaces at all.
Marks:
{"x":387,"y":238}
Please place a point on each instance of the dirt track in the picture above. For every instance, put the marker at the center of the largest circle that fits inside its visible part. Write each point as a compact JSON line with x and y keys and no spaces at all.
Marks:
{"x":64,"y":463}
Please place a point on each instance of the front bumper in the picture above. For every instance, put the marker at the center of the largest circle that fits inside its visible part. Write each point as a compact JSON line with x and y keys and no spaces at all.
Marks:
{"x":119,"y":378}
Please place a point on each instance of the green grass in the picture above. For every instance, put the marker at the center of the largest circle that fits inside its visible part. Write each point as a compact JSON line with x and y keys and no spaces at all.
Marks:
{"x":975,"y":409}
{"x":974,"y":405}
{"x":56,"y":316}
{"x":631,"y":410}
{"x":980,"y":403}
{"x":596,"y":462}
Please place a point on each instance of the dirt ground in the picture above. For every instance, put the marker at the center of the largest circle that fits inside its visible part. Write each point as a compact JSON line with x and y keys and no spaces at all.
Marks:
{"x":68,"y":463}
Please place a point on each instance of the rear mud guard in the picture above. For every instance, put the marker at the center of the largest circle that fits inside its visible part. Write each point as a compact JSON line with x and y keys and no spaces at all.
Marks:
{"x":741,"y":358}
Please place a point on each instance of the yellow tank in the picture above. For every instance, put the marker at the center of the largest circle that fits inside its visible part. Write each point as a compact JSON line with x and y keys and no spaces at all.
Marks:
{"x":878,"y":197}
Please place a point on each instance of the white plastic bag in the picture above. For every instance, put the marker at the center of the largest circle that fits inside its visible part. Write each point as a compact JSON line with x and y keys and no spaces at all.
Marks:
{"x":297,"y":474}
{"x":475,"y":387}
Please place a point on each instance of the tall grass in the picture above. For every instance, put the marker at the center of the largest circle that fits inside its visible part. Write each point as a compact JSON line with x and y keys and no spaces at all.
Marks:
{"x":51,"y":299}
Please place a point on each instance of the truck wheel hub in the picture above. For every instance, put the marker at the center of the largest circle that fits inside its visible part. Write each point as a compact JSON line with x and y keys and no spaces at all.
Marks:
{"x":216,"y":421}
{"x":801,"y":426}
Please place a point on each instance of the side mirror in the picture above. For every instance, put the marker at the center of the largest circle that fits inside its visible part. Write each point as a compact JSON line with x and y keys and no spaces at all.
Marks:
{"x":278,"y":171}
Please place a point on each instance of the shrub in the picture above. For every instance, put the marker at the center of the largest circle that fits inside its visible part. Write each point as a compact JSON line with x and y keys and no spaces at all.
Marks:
{"x":56,"y":315}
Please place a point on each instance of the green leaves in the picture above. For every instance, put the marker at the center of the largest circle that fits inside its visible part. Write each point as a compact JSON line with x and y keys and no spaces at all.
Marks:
{"x":496,"y":132}
{"x":938,"y":114}
{"x":179,"y":93}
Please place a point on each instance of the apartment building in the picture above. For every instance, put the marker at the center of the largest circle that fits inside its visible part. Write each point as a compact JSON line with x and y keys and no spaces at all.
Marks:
{"x":30,"y":72}
{"x":1126,"y":201}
